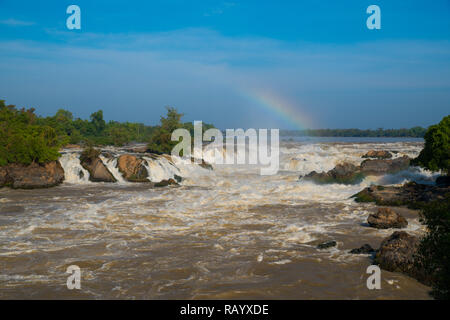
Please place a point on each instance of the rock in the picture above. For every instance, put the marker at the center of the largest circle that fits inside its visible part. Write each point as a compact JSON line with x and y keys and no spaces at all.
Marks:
{"x":72,"y":146}
{"x":443,"y":181}
{"x":327,"y":244}
{"x":410,"y":194}
{"x":137,"y":149}
{"x":132,"y":168}
{"x":3,"y":176}
{"x":396,"y":254}
{"x":378,"y":154}
{"x":33,"y":176}
{"x":165,"y":183}
{"x":345,"y":173}
{"x":97,"y":170}
{"x":386,"y":218}
{"x":365,"y":249}
{"x":380,"y":167}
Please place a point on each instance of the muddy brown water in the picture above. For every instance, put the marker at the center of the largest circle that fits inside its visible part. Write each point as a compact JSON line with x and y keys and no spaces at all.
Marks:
{"x":226,"y":234}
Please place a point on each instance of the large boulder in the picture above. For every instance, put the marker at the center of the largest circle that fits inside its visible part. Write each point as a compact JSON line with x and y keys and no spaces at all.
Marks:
{"x":97,"y":170}
{"x":378,"y":167}
{"x":397,"y":254}
{"x":386,"y":218}
{"x":378,"y":154}
{"x":32,"y":176}
{"x":132,"y":168}
{"x":345,"y":173}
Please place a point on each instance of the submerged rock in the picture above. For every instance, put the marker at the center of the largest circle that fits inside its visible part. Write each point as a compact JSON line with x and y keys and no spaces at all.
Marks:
{"x":32,"y":176}
{"x":365,"y":249}
{"x":378,"y":154}
{"x":132,"y":168}
{"x":165,"y":183}
{"x":327,"y":244}
{"x":380,"y":167}
{"x":397,"y":254}
{"x":97,"y":170}
{"x":345,"y":173}
{"x":386,"y":218}
{"x":410,"y":194}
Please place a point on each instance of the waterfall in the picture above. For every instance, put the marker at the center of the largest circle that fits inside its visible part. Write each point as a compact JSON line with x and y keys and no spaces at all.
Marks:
{"x":160,"y":169}
{"x":73,"y":171}
{"x":111,"y":164}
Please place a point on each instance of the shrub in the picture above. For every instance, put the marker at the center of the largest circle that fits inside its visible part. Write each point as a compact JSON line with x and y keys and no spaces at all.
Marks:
{"x":89,"y":154}
{"x":434,"y":251}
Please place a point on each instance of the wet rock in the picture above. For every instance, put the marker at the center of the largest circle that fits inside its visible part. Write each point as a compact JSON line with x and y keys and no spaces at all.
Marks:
{"x":379,"y":167}
{"x":365,"y":249}
{"x":386,"y":218}
{"x":132,"y":168}
{"x":178,"y":178}
{"x":345,"y":173}
{"x":378,"y":154}
{"x":410,"y":194}
{"x":397,"y":254}
{"x":165,"y":183}
{"x":97,"y":170}
{"x":32,"y":176}
{"x":327,"y":244}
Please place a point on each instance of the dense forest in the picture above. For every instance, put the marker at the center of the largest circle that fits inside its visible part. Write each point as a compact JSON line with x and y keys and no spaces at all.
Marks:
{"x":416,"y":132}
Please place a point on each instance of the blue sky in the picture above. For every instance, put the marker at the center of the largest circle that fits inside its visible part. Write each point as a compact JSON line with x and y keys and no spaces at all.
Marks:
{"x":217,"y":61}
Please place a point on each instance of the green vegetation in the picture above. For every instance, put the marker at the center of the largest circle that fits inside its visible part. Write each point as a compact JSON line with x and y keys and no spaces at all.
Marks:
{"x":435,"y":155}
{"x":89,"y":154}
{"x":23,"y":139}
{"x":96,"y":130}
{"x":434,"y":251}
{"x":416,"y":132}
{"x":160,"y":141}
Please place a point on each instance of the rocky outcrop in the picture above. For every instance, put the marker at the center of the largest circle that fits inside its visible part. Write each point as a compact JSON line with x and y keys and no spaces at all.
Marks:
{"x":345,"y":173}
{"x":365,"y":249}
{"x":132,"y":168}
{"x":97,"y":170}
{"x":397,"y":254}
{"x":32,"y":176}
{"x":380,"y":167}
{"x":411,"y":194}
{"x":378,"y":154}
{"x":386,"y":218}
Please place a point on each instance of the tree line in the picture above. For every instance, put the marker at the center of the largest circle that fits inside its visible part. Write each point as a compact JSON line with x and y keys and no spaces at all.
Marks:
{"x":415,"y":132}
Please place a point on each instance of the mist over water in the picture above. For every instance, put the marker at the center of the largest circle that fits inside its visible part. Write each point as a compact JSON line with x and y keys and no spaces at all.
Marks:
{"x":222,"y":234}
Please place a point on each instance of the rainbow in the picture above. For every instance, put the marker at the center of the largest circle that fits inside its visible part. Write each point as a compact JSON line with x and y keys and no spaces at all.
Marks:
{"x":273,"y":103}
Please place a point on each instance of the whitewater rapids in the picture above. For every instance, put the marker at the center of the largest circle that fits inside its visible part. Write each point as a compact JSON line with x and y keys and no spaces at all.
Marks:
{"x":223,"y":233}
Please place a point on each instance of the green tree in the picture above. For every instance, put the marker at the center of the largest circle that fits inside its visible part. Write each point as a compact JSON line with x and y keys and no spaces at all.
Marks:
{"x":160,"y":140}
{"x":435,"y":155}
{"x":98,"y":122}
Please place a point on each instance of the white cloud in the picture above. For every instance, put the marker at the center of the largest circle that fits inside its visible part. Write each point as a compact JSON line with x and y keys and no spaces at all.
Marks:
{"x":16,"y":23}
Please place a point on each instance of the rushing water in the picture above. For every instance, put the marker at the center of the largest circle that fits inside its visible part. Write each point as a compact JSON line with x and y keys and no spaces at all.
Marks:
{"x":223,"y":234}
